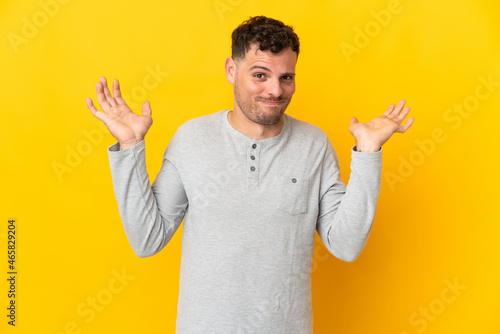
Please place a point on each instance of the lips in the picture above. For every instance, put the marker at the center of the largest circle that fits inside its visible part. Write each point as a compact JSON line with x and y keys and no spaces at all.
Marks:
{"x":271,"y":102}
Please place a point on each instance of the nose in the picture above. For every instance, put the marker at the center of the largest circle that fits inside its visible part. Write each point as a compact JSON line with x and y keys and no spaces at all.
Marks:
{"x":274,"y":88}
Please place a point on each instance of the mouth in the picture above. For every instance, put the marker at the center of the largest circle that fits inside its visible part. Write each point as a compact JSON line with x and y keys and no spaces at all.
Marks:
{"x":271,"y":103}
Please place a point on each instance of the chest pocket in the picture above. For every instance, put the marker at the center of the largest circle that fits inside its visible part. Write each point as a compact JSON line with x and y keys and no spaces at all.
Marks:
{"x":293,"y":194}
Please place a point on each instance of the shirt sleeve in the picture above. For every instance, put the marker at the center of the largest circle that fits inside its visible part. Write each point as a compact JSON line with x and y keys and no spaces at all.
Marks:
{"x":346,"y":213}
{"x":150,"y":214}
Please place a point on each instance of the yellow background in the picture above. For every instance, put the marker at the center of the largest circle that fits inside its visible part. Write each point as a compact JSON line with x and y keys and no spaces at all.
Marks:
{"x":437,"y":220}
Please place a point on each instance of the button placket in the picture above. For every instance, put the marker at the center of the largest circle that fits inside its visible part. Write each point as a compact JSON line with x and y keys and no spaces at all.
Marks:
{"x":253,"y":163}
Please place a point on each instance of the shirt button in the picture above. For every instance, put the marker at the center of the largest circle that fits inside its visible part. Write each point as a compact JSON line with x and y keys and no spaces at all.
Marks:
{"x":294,"y":180}
{"x":252,"y":168}
{"x":252,"y":157}
{"x":254,"y":146}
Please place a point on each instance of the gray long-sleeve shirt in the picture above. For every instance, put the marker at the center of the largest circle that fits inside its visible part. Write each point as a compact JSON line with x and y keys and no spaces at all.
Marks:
{"x":250,"y":209}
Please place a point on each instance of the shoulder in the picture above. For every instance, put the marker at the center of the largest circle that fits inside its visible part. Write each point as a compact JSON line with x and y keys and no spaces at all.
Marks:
{"x":202,"y":125}
{"x":191,"y":134}
{"x":306,"y":131}
{"x":307,"y":137}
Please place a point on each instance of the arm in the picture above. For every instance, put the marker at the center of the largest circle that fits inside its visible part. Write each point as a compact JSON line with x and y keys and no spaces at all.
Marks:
{"x":150,"y":215}
{"x":346,"y":213}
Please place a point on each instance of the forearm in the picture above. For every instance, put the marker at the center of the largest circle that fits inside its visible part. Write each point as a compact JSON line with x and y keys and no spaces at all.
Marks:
{"x":146,"y":229}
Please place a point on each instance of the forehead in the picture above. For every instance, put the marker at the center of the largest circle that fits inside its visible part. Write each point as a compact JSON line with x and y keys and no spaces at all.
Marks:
{"x":283,"y":62}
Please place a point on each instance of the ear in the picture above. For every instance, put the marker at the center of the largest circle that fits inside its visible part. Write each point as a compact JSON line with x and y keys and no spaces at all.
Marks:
{"x":230,"y":66}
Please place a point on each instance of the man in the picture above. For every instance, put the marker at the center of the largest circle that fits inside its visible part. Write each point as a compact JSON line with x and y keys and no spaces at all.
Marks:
{"x":253,"y":185}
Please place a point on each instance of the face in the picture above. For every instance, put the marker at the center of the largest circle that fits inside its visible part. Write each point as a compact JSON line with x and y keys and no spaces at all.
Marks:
{"x":263,"y":84}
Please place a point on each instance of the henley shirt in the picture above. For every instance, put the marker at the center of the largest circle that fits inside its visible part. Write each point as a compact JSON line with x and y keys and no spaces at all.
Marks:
{"x":250,"y":209}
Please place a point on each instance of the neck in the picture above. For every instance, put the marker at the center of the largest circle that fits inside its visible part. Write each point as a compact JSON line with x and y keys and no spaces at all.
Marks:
{"x":251,"y":129}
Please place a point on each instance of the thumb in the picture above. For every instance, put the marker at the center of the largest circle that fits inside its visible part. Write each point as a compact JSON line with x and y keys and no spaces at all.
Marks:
{"x":354,"y":120}
{"x":146,"y":109}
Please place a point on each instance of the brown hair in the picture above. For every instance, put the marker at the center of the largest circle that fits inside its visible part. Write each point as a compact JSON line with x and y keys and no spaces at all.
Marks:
{"x":267,"y":33}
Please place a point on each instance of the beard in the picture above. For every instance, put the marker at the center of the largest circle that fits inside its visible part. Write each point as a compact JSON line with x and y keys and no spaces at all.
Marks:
{"x":256,"y":112}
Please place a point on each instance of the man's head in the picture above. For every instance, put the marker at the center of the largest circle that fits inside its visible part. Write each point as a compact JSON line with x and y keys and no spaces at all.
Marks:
{"x":262,"y":68}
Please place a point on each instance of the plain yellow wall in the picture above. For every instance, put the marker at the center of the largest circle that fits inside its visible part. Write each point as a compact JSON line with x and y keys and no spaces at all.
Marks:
{"x":431,"y":263}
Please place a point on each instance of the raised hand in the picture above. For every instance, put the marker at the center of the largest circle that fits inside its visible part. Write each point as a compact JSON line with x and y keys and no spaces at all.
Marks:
{"x":372,"y":135}
{"x":126,"y":126}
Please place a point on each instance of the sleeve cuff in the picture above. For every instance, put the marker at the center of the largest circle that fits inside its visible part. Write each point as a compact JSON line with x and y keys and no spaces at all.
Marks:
{"x":115,"y":148}
{"x":354,"y":150}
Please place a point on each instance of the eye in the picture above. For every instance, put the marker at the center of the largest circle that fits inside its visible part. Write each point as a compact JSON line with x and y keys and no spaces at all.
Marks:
{"x":287,"y":78}
{"x":259,"y":75}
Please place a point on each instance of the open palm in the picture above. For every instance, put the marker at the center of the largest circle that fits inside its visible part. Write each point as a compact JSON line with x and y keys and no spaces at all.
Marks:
{"x":380,"y":129}
{"x":126,"y":126}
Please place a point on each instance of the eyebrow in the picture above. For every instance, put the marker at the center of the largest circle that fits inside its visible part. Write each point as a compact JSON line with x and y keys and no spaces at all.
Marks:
{"x":261,"y":67}
{"x":268,"y":70}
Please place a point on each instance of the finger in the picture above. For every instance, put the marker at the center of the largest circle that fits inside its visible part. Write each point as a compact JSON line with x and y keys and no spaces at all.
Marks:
{"x":101,"y":98}
{"x":107,"y":93}
{"x":406,"y":126}
{"x":93,"y":109}
{"x":402,"y":115}
{"x":398,"y":108}
{"x":117,"y":93}
{"x":389,"y":110}
{"x":116,"y":89}
{"x":146,"y":109}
